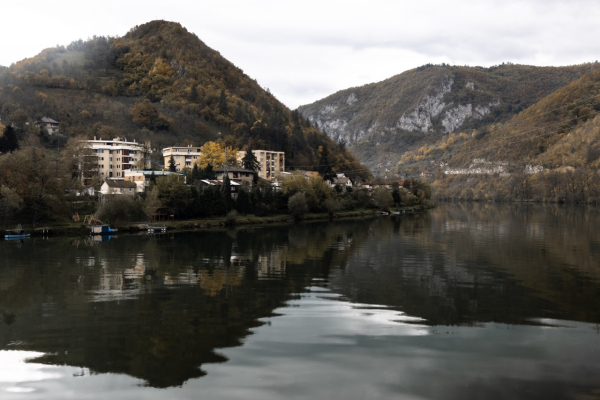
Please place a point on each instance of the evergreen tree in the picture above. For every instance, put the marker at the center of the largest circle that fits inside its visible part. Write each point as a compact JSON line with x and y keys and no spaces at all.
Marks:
{"x":249,"y":161}
{"x":195,"y":174}
{"x":222,"y":103}
{"x":242,"y":203}
{"x":324,"y":167}
{"x":9,"y":142}
{"x":172,"y":167}
{"x":227,"y":193}
{"x":207,"y":173}
{"x":194,"y":94}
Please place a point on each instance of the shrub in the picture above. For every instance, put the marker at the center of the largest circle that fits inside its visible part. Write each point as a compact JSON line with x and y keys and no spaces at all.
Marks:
{"x":297,"y":206}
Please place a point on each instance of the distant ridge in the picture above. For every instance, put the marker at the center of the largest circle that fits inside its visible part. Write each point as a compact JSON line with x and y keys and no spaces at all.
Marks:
{"x":383,"y":120}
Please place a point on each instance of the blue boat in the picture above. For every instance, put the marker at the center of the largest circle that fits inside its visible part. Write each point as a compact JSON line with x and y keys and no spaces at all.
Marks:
{"x":102,"y":230}
{"x":18,"y":233}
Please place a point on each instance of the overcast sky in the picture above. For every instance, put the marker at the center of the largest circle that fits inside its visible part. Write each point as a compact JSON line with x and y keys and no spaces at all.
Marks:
{"x":305,"y":50}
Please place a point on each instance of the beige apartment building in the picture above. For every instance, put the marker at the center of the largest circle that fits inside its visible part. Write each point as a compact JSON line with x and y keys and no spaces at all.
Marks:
{"x":184,"y":157}
{"x":117,"y":156}
{"x":271,"y":162}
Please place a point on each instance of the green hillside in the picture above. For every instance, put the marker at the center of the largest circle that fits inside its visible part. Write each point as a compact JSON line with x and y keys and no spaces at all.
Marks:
{"x":159,"y":83}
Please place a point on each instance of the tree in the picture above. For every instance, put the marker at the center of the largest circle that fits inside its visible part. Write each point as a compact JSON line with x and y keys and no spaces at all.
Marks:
{"x":173,"y":194}
{"x":223,"y":103}
{"x":10,"y":203}
{"x":213,"y":154}
{"x":152,"y":203}
{"x":147,"y":115}
{"x":36,"y":178}
{"x":249,"y":161}
{"x":297,"y":206}
{"x":9,"y":141}
{"x":324,"y":167}
{"x":117,"y":207}
{"x":172,"y":166}
{"x":332,"y":205}
{"x":227,"y":193}
{"x":383,"y":198}
{"x":242,"y":203}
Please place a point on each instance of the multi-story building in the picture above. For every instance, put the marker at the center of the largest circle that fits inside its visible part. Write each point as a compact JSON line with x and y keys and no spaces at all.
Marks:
{"x":183,"y":157}
{"x":271,"y":162}
{"x":116,"y":156}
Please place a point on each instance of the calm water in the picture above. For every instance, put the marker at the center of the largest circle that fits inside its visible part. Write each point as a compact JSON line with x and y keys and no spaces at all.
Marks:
{"x":466,"y":302}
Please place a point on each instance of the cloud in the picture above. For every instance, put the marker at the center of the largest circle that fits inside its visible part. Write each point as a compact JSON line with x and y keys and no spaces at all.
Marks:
{"x":304,"y":51}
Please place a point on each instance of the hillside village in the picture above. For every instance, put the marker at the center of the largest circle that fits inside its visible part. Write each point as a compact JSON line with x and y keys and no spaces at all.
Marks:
{"x":117,"y":180}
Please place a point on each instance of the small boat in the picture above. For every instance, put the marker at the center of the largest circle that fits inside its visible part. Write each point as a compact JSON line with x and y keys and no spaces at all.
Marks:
{"x":154,"y":228}
{"x":101,"y":230}
{"x":18,"y":233}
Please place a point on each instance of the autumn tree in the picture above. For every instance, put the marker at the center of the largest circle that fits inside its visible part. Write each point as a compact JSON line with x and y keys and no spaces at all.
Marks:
{"x":147,"y":115}
{"x":213,"y":154}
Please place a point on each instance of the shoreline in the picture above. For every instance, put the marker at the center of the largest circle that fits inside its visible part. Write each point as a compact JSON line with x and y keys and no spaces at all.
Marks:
{"x":78,"y":229}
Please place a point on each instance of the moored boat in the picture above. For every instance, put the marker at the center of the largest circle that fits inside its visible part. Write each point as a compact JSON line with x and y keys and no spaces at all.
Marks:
{"x":17,"y":233}
{"x":101,"y":230}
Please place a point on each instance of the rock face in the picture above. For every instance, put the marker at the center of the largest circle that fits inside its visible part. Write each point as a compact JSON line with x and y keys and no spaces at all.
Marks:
{"x":342,"y":116}
{"x":382,"y":120}
{"x":429,"y":107}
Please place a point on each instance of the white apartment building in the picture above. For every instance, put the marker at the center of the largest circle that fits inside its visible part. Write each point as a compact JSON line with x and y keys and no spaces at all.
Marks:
{"x":184,"y":157}
{"x":271,"y":162}
{"x":117,"y":156}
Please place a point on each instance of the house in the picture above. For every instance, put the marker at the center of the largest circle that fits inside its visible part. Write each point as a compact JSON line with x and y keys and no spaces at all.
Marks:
{"x":118,"y":186}
{"x":142,"y":178}
{"x":244,"y":177}
{"x":184,"y":157}
{"x":234,"y":186}
{"x":49,"y":124}
{"x":310,"y":174}
{"x":343,"y":182}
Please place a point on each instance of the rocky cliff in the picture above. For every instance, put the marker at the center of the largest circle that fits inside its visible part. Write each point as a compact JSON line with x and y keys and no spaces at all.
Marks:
{"x":380,"y":121}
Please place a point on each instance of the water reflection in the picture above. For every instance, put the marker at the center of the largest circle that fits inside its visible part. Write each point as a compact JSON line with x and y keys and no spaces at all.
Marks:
{"x":165,"y":309}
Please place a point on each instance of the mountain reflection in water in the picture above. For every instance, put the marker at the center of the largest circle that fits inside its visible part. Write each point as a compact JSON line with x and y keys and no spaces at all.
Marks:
{"x":168,"y":308}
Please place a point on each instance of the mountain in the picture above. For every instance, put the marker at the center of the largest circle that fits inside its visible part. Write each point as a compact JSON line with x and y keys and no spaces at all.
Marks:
{"x":161,"y":83}
{"x":383,"y":120}
{"x":548,"y":152}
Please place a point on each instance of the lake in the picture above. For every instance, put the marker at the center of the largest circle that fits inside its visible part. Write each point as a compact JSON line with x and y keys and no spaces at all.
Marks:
{"x":468,"y":301}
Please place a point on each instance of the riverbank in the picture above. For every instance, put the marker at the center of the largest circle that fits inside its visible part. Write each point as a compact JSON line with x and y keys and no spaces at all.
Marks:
{"x":79,"y":229}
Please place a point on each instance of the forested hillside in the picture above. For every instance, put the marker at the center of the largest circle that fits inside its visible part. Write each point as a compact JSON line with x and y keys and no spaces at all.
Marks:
{"x":548,"y":152}
{"x":159,"y":83}
{"x":381,"y":121}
